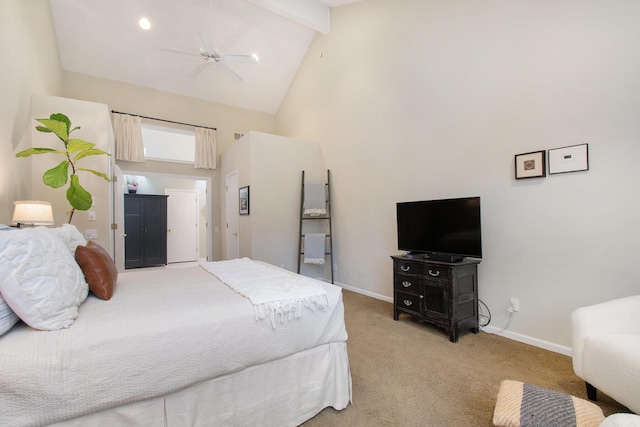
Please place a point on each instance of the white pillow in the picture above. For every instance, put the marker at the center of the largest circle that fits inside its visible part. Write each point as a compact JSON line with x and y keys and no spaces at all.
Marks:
{"x":70,"y":236}
{"x":39,"y":279}
{"x":7,"y":317}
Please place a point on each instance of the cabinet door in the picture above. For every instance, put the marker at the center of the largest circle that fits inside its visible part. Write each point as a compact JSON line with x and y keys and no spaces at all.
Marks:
{"x":133,"y":226}
{"x":435,"y":301}
{"x":155,"y":231}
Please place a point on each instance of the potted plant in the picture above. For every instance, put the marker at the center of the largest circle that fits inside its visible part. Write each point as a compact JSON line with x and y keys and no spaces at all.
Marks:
{"x":66,"y":171}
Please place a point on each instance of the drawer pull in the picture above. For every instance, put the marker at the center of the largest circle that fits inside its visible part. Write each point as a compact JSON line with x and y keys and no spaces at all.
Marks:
{"x":405,"y":267}
{"x":408,"y":302}
{"x":436,"y":274}
{"x":406,"y":284}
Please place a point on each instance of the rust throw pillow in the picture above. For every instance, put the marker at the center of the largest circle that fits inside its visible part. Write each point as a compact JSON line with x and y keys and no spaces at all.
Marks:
{"x":99,"y":269}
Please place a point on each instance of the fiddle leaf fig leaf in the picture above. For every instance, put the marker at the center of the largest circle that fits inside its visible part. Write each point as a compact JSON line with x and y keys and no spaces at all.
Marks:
{"x":77,"y":196}
{"x":30,"y":151}
{"x":58,"y":176}
{"x":78,"y":145}
{"x":96,"y":173}
{"x":61,"y":118}
{"x":59,"y":128}
{"x":91,"y":152}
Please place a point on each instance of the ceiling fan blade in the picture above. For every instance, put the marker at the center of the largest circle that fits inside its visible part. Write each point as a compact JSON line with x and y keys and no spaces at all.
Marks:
{"x":196,"y":71}
{"x":181,"y":52}
{"x":206,"y":38}
{"x":229,"y":71}
{"x":249,"y":59}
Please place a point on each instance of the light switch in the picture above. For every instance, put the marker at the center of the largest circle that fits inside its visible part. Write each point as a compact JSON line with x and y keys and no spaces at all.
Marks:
{"x":91,"y":215}
{"x":90,"y":233}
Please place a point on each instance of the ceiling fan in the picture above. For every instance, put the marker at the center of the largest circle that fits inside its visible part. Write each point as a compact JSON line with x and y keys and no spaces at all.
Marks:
{"x":213,"y":56}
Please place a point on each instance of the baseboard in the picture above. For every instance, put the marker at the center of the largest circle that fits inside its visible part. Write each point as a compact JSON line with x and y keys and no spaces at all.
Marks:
{"x":488,"y":329}
{"x":557,"y":348}
{"x":363,"y":292}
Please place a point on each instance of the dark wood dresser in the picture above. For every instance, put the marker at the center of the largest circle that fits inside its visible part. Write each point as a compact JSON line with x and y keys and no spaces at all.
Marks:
{"x":442,"y":293}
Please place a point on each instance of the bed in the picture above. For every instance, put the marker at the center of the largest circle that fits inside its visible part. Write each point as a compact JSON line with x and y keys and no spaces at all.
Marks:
{"x":178,"y":347}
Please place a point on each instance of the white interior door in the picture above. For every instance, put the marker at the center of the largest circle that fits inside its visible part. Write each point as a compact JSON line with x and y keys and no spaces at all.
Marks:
{"x":232,"y":213}
{"x":182,"y":225}
{"x":118,"y":217}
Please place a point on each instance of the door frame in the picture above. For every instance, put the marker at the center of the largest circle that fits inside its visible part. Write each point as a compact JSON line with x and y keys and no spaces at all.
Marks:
{"x":232,"y":210}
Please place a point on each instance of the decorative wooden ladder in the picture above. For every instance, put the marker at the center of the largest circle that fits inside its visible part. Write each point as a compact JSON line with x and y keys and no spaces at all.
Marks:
{"x":325,"y":217}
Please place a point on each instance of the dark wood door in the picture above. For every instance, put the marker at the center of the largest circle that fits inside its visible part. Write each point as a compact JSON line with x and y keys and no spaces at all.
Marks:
{"x":155,"y":231}
{"x":145,"y":225}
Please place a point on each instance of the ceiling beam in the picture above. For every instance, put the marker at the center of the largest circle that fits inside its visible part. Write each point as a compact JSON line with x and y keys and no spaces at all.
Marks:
{"x":306,"y":12}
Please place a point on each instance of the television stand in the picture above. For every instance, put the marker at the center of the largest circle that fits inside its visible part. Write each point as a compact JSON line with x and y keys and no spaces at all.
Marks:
{"x":442,"y":293}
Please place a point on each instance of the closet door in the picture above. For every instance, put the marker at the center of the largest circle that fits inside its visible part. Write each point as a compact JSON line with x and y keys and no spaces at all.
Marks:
{"x":133,"y":228}
{"x":155,"y":230}
{"x":145,"y":225}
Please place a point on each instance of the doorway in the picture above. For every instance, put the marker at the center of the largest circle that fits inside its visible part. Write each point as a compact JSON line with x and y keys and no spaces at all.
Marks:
{"x":182,"y":225}
{"x":157,"y":183}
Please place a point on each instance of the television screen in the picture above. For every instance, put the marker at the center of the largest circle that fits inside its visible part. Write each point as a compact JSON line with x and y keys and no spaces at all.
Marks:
{"x":441,"y":227}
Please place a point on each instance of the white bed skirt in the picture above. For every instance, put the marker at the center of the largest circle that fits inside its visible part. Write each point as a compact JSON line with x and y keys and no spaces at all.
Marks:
{"x":284,"y":392}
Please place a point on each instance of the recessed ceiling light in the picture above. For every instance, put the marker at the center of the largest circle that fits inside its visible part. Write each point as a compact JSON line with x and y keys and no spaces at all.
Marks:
{"x":144,"y":23}
{"x":254,"y":56}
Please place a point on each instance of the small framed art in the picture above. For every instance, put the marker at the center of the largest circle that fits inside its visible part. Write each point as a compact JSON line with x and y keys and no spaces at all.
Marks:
{"x":531,"y":165}
{"x":569,"y":159}
{"x":244,"y":200}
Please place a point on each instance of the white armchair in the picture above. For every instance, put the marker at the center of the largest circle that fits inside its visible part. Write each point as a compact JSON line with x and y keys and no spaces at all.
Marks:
{"x":606,"y":349}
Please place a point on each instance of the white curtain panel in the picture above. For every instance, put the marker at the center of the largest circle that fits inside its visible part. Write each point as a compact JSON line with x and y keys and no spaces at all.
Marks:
{"x":205,"y":148}
{"x":128,"y":135}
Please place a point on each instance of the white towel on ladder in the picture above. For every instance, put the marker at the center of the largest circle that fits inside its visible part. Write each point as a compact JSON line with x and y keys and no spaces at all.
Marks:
{"x":314,"y":248}
{"x":314,"y":200}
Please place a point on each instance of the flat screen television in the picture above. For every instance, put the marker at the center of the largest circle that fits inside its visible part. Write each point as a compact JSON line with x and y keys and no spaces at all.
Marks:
{"x":446,"y":230}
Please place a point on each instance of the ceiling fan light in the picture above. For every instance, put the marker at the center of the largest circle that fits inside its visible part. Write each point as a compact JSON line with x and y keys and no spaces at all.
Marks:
{"x":144,"y":23}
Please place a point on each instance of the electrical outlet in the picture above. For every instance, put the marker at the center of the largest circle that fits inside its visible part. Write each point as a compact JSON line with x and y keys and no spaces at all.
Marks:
{"x":91,"y":215}
{"x":90,"y":233}
{"x":514,"y":305}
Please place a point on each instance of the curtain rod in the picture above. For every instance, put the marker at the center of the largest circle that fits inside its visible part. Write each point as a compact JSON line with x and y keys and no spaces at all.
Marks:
{"x":163,"y":120}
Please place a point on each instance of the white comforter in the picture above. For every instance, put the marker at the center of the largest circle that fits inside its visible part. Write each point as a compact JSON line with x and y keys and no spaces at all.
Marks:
{"x":163,"y":330}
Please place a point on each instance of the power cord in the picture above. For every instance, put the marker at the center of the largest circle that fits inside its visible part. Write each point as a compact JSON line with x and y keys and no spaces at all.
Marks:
{"x":508,"y":323}
{"x":483,"y":319}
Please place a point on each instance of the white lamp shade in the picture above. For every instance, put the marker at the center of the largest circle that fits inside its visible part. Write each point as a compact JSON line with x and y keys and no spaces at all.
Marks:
{"x":32,"y":212}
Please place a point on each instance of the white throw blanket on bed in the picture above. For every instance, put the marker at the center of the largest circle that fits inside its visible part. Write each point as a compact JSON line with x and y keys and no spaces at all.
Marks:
{"x":274,"y":293}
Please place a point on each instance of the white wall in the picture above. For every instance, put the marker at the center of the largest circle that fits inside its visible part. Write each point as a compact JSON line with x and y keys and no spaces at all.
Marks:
{"x":272,"y":167}
{"x":414,"y":100}
{"x":30,"y":64}
{"x":163,"y":105}
{"x":94,"y":121}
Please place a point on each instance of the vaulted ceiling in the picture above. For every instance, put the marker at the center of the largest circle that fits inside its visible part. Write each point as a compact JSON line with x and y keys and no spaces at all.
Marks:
{"x":103,"y":39}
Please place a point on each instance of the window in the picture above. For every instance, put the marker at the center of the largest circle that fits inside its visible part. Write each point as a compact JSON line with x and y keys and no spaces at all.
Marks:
{"x":168,"y":144}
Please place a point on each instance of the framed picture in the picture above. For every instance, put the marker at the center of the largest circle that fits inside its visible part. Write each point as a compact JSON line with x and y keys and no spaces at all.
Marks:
{"x":569,"y":159}
{"x":531,"y":165}
{"x":244,"y":201}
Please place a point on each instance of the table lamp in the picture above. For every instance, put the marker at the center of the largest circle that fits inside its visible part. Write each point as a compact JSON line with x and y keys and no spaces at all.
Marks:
{"x":32,"y":212}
